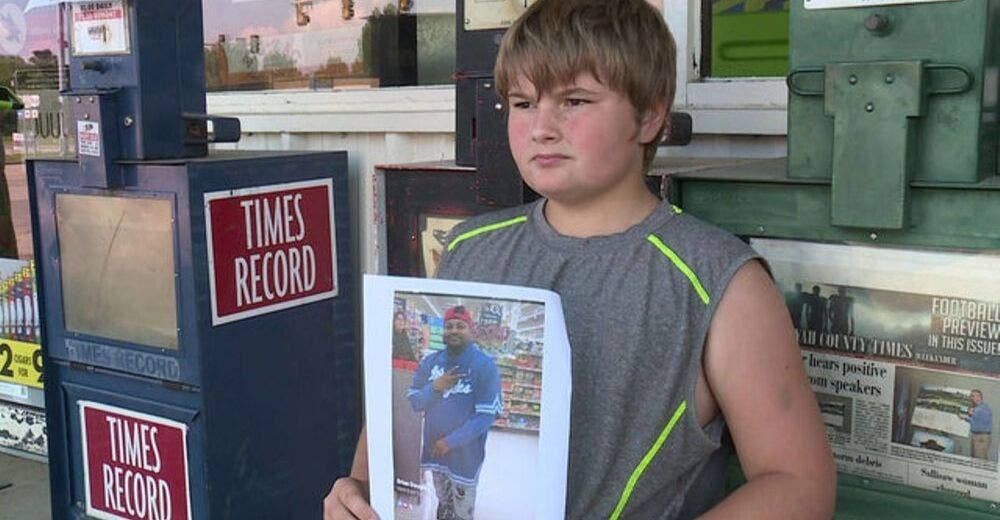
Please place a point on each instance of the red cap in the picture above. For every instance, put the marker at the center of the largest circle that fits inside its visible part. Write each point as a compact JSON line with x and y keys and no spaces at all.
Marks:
{"x":458,"y":312}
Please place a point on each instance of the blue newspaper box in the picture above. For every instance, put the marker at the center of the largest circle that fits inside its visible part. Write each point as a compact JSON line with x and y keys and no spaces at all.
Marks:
{"x":210,"y":299}
{"x":198,"y":310}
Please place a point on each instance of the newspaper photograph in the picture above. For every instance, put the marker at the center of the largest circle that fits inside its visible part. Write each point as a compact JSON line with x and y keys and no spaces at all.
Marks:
{"x":902,"y":348}
{"x":476,"y":423}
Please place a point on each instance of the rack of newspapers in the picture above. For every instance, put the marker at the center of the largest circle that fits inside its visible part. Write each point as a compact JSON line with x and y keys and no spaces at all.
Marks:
{"x":902,"y":348}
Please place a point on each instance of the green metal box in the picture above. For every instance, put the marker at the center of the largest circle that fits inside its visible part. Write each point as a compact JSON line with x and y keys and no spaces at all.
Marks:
{"x":844,"y":65}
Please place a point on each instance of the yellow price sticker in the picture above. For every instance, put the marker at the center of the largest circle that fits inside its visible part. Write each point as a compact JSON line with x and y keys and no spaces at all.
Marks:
{"x":21,"y":363}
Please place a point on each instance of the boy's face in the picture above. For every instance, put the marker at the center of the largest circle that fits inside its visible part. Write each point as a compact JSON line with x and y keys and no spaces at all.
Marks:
{"x":578,"y":143}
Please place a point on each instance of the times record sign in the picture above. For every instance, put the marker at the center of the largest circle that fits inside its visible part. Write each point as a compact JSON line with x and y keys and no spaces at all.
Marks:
{"x":270,"y":248}
{"x":135,"y":464}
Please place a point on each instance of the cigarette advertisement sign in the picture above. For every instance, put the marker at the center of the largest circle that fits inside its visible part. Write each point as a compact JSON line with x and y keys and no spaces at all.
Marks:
{"x":902,"y":348}
{"x":135,"y":465}
{"x":20,"y":352}
{"x":21,"y":363}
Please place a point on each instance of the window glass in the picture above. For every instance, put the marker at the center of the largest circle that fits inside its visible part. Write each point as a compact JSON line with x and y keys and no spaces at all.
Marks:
{"x":29,"y":46}
{"x":311,"y":44}
{"x":745,"y":38}
{"x":117,"y":267}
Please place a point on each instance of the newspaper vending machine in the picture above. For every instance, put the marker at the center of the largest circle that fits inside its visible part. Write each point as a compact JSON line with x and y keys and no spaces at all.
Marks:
{"x":198,"y":315}
{"x":883,"y":230}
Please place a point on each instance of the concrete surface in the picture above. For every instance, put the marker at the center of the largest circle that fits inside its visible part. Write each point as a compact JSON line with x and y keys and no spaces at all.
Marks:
{"x":28,"y":496}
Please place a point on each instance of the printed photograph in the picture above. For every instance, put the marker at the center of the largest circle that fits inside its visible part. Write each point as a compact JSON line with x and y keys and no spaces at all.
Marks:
{"x":466,"y":405}
{"x":945,"y":412}
{"x":836,"y":411}
{"x":820,"y":310}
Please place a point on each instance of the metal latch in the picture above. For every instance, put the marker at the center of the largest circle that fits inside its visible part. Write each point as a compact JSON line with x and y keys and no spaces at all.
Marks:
{"x":875,"y":107}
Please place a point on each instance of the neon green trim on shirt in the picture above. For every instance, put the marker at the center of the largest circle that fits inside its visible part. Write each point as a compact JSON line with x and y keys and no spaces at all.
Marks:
{"x":702,"y":293}
{"x":486,"y":229}
{"x":646,"y":459}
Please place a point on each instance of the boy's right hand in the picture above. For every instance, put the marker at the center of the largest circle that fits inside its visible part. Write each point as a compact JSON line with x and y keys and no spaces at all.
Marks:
{"x":348,"y":500}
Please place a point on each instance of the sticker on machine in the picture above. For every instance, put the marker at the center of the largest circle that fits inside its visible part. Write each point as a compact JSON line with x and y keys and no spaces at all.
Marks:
{"x":88,"y":138}
{"x":270,"y":248}
{"x":839,"y":4}
{"x":99,"y":28}
{"x":135,"y":465}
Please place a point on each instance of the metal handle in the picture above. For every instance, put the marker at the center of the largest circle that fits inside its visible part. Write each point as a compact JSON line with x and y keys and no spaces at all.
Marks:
{"x":792,"y":87}
{"x":966,"y":74}
{"x":224,"y":129}
{"x":94,"y":65}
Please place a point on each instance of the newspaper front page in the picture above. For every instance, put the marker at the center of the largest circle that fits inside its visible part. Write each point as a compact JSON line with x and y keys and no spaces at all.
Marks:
{"x":902,"y":348}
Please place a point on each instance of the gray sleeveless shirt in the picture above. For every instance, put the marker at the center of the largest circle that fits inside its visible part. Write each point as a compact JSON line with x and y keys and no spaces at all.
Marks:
{"x":638,"y":306}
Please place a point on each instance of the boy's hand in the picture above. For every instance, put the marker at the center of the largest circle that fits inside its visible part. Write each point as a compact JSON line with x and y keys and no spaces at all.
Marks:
{"x":348,"y":500}
{"x":446,"y":381}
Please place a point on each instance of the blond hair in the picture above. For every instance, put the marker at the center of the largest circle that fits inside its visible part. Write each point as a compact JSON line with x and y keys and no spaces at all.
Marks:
{"x":623,"y":44}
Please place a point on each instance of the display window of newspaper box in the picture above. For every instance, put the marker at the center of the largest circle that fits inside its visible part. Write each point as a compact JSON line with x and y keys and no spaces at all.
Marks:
{"x":901,"y":348}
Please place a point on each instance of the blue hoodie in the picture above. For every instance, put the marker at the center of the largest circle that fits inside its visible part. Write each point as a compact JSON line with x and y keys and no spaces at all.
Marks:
{"x":462,"y":414}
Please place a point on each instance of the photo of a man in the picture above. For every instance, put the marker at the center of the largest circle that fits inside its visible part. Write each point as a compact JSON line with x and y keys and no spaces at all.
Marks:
{"x":457,"y":390}
{"x":980,"y":419}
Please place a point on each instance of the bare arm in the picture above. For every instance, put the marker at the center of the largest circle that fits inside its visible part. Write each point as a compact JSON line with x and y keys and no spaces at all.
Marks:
{"x":348,"y":499}
{"x":756,"y":376}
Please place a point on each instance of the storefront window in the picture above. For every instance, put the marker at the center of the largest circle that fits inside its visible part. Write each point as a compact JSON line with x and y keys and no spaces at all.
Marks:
{"x":29,"y":47}
{"x":745,"y":38}
{"x":29,"y":43}
{"x":317,"y":44}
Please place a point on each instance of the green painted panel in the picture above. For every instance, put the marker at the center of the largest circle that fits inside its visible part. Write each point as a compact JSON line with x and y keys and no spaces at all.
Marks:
{"x":760,"y":200}
{"x":956,"y":139}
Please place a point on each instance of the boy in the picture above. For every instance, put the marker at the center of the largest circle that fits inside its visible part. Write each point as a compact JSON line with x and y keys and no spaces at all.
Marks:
{"x":676,"y":328}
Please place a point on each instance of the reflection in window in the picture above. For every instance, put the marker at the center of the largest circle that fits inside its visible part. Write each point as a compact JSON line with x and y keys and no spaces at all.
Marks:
{"x":746,"y":38}
{"x":314,"y":44}
{"x":29,"y":62}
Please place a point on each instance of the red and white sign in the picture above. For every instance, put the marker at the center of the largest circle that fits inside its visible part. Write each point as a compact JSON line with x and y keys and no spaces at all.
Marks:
{"x":99,"y":27}
{"x":88,"y":138}
{"x":270,"y":248}
{"x":135,"y":465}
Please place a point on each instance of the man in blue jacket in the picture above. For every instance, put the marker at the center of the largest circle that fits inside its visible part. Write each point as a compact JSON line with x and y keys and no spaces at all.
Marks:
{"x":980,"y":418}
{"x":458,"y":391}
